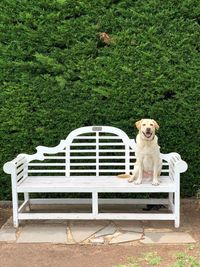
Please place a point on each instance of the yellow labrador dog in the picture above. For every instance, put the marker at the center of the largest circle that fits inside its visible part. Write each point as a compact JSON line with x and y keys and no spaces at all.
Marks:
{"x":148,"y":160}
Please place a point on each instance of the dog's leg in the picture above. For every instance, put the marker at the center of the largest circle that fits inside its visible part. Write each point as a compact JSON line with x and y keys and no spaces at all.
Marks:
{"x":155,"y":180}
{"x":134,"y":174}
{"x":156,"y":174}
{"x":140,"y":173}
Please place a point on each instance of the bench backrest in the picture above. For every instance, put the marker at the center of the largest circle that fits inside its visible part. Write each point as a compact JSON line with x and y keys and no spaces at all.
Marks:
{"x":94,"y":151}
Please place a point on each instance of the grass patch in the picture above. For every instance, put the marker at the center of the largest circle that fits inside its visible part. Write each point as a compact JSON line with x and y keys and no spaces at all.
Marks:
{"x":152,"y":258}
{"x":188,"y":256}
{"x":184,"y":260}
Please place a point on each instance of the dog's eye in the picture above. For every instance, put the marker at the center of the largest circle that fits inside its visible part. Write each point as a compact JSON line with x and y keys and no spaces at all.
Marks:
{"x":151,"y":124}
{"x":143,"y":124}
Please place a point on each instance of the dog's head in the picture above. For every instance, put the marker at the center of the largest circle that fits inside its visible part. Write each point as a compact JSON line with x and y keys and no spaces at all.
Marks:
{"x":147,"y":128}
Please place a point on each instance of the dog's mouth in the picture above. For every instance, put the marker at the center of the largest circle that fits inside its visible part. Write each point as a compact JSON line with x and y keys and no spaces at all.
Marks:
{"x":147,"y":134}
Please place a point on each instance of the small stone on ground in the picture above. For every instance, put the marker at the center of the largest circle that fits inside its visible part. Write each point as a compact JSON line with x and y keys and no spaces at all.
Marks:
{"x":97,"y":241}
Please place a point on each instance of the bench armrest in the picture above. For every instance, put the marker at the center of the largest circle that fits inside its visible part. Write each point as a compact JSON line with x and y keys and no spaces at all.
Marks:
{"x":175,"y":162}
{"x":17,"y":166}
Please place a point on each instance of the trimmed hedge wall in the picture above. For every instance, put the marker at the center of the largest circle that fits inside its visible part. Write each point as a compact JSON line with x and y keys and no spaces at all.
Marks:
{"x":57,"y":74}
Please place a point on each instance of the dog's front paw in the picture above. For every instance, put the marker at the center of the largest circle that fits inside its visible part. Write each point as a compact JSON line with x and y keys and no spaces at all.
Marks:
{"x":155,"y":182}
{"x":131,"y":179}
{"x":138,"y":181}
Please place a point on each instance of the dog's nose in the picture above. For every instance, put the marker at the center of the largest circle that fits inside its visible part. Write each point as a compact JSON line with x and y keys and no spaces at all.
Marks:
{"x":148,"y":129}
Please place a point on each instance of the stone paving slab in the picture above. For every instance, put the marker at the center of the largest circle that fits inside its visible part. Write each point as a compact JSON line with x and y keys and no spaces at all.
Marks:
{"x":43,"y":234}
{"x":130,"y":226}
{"x":170,"y":237}
{"x":82,"y":230}
{"x":126,"y":237}
{"x":108,"y":230}
{"x":8,"y":224}
{"x":7,"y":234}
{"x":158,"y":226}
{"x":95,"y":232}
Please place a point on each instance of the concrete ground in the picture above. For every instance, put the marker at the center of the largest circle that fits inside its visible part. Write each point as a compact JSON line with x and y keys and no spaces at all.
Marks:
{"x":99,"y":238}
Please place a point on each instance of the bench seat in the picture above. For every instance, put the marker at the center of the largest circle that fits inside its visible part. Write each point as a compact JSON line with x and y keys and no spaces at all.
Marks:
{"x":91,"y":184}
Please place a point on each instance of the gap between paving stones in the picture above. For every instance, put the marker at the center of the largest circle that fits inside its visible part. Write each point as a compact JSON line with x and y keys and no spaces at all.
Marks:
{"x":113,"y":233}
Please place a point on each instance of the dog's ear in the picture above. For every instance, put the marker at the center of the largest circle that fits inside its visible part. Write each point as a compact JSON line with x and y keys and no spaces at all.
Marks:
{"x":156,"y":125}
{"x":138,"y":124}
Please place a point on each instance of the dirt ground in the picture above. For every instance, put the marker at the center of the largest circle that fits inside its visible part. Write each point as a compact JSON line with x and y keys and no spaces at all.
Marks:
{"x":123,"y":255}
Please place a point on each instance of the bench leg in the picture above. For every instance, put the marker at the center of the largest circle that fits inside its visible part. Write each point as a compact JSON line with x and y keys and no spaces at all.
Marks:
{"x":15,"y":209}
{"x":95,"y":203}
{"x":171,"y":201}
{"x":177,"y":209}
{"x":26,"y":198}
{"x":177,"y":223}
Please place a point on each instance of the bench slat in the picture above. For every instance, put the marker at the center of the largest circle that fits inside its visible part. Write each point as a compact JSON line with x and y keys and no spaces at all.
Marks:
{"x":46,"y":171}
{"x":100,"y":137}
{"x":100,"y":157}
{"x":94,"y":150}
{"x":76,"y":164}
{"x":54,"y":157}
{"x":100,"y":216}
{"x":100,"y":164}
{"x":46,"y":164}
{"x":94,"y":144}
{"x":100,"y":171}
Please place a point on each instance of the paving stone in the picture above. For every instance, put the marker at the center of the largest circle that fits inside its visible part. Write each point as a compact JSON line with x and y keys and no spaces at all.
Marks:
{"x":126,"y":237}
{"x":130,"y":226}
{"x":170,"y":237}
{"x":8,"y":224}
{"x":7,"y":234}
{"x":108,"y":230}
{"x":158,"y":226}
{"x":82,"y":230}
{"x":43,"y":234}
{"x":97,"y":241}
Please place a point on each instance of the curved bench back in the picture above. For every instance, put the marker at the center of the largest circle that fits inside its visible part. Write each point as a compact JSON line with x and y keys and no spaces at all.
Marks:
{"x":97,"y":151}
{"x":87,"y":151}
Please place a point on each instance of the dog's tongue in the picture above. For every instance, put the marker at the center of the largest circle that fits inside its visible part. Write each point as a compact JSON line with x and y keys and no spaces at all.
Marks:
{"x":148,"y":134}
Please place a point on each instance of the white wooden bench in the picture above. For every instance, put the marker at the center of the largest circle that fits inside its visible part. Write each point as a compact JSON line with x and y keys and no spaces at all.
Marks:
{"x":88,"y":161}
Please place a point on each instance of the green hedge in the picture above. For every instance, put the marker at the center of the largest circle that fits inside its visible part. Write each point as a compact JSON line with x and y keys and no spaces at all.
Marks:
{"x":57,"y":75}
